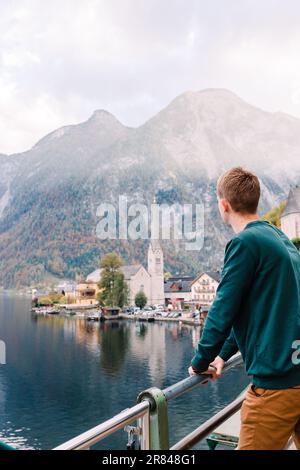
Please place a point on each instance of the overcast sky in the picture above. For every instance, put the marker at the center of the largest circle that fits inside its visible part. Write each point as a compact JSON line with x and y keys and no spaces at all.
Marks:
{"x":62,"y":59}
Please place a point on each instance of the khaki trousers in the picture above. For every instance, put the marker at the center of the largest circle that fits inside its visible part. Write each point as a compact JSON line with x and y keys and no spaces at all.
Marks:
{"x":269,"y":418}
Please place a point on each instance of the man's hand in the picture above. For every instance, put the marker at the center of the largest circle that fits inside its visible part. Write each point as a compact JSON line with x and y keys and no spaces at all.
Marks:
{"x":214,"y":370}
{"x":210,"y":371}
{"x":218,"y":363}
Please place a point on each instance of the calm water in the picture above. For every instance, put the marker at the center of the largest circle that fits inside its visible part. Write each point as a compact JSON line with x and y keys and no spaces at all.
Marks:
{"x":64,"y":375}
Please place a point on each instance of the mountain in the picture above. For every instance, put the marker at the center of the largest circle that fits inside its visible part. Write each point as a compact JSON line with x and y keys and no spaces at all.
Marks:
{"x":8,"y":168}
{"x":49,"y":195}
{"x":215,"y":129}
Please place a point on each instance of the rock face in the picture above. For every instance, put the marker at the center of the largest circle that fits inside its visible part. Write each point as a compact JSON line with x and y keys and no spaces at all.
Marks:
{"x":49,"y":194}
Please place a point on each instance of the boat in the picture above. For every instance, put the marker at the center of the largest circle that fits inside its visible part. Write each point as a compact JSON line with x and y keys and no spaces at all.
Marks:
{"x":95,"y":317}
{"x":46,"y":310}
{"x":76,"y":307}
{"x":53,"y":311}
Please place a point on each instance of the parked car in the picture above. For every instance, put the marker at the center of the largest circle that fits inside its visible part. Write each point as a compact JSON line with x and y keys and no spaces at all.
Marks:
{"x":159,"y":308}
{"x":129,"y":311}
{"x":170,"y":314}
{"x":177,"y":314}
{"x":148,"y":309}
{"x":158,"y":313}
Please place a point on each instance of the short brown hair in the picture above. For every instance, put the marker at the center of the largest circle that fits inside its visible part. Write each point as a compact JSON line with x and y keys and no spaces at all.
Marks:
{"x":241,"y":188}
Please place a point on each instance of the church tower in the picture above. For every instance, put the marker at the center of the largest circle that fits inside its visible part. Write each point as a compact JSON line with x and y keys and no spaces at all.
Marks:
{"x":156,"y":271}
{"x":290,"y":218}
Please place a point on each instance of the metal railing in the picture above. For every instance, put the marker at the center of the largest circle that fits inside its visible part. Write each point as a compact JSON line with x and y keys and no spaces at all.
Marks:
{"x":151,"y":413}
{"x":206,"y":428}
{"x":87,"y":439}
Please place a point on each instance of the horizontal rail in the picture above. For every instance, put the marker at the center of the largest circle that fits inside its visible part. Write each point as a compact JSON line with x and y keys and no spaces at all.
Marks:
{"x":210,"y":425}
{"x":189,"y":383}
{"x":96,"y":434}
{"x":142,"y":410}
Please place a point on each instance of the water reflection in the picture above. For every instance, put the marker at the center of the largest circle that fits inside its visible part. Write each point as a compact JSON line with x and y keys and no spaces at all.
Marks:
{"x":65,"y":375}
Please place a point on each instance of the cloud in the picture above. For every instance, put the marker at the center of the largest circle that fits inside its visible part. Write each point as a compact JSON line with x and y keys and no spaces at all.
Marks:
{"x":61,"y":60}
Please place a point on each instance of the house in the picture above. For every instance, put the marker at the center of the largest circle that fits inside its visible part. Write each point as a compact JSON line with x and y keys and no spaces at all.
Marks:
{"x":199,"y":291}
{"x":86,"y":293}
{"x":68,"y":289}
{"x":203,"y":288}
{"x":290,"y":218}
{"x":138,"y":278}
{"x":178,"y":290}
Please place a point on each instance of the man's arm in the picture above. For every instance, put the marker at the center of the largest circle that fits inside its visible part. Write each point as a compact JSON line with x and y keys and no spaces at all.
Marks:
{"x":237,"y":276}
{"x":229,"y":348}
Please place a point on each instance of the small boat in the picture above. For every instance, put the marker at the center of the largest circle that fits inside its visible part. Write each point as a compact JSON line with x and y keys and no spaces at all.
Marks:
{"x":52,"y":311}
{"x":71,"y":312}
{"x":46,"y":310}
{"x":40,"y":310}
{"x":95,"y":317}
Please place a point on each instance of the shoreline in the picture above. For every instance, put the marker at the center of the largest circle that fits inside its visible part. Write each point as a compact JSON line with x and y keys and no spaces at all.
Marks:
{"x":111,"y":318}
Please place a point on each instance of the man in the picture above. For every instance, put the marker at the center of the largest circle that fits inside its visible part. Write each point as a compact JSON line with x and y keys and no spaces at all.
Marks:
{"x":256,"y":311}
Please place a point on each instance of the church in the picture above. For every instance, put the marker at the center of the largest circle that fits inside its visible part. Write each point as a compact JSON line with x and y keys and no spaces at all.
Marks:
{"x":138,"y":278}
{"x":290,"y":218}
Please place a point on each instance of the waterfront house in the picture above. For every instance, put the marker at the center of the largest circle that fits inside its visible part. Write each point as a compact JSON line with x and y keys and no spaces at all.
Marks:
{"x":199,"y":291}
{"x":204,"y":286}
{"x":86,"y":293}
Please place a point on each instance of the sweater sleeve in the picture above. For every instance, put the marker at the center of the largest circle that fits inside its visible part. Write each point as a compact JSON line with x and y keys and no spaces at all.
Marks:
{"x":229,"y":348}
{"x":236,"y":279}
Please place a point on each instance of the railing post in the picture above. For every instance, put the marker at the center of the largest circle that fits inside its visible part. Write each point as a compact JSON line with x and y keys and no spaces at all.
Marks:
{"x":158,"y":418}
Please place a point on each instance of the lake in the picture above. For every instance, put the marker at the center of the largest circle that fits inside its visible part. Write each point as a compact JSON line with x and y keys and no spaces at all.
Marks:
{"x":65,"y":375}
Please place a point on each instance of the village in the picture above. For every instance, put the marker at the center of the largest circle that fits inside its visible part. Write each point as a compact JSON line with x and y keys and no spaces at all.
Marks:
{"x":176,"y":298}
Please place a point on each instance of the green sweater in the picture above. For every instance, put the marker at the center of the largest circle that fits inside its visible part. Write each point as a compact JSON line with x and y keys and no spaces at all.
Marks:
{"x":257,"y":307}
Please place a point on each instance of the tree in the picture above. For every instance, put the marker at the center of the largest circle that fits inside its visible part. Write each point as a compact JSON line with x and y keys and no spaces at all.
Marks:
{"x":52,"y":298}
{"x":140,"y":299}
{"x":274,"y":215}
{"x":113,"y":287}
{"x":296,"y":242}
{"x":121,"y":290}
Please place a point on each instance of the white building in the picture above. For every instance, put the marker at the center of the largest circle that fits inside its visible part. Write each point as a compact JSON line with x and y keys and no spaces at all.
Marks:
{"x":290,"y":218}
{"x":200,"y":290}
{"x":150,"y":281}
{"x":204,"y":287}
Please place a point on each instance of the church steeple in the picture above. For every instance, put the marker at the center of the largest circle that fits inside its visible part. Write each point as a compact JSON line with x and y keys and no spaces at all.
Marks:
{"x":156,"y":271}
